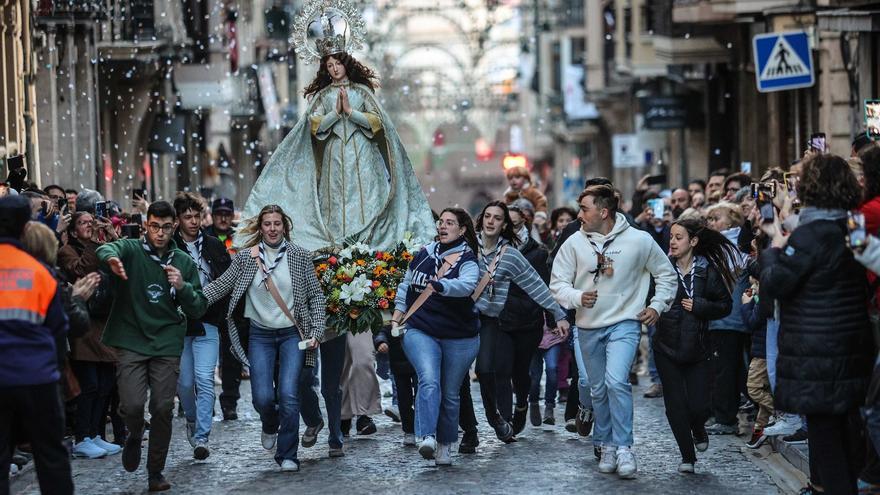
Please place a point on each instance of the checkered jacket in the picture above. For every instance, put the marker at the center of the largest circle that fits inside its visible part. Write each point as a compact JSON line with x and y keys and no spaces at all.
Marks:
{"x":309,"y":305}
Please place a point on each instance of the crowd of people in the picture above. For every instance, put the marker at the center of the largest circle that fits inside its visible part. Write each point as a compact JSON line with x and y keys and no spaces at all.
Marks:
{"x":757,"y":304}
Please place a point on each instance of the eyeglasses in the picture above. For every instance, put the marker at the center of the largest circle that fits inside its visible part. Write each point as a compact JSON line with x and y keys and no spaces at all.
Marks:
{"x":85,"y":222}
{"x":732,"y":189}
{"x":155,"y":227}
{"x":448,"y":223}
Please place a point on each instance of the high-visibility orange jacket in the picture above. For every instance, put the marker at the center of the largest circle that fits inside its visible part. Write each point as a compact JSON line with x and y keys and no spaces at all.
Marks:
{"x":31,"y":317}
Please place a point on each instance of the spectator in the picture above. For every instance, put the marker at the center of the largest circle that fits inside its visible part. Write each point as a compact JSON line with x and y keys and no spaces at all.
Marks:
{"x":679,"y":201}
{"x":71,"y":195}
{"x":153,"y":279}
{"x":696,"y":186}
{"x":92,"y":362}
{"x":732,"y":185}
{"x":716,"y":182}
{"x":520,"y":185}
{"x":825,"y":355}
{"x":29,"y":370}
{"x":86,"y":199}
{"x":755,"y":312}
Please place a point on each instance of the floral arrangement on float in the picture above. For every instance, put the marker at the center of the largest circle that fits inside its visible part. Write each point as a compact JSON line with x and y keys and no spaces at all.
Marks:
{"x":360,"y":284}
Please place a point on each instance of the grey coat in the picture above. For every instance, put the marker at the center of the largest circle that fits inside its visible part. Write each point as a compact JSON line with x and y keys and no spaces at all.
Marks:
{"x":309,"y":305}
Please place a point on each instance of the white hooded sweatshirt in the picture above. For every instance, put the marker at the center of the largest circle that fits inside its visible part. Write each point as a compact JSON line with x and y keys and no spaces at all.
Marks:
{"x":635,"y":257}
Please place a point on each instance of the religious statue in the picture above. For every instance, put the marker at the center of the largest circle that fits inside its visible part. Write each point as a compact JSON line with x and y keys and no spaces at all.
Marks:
{"x":342,"y":171}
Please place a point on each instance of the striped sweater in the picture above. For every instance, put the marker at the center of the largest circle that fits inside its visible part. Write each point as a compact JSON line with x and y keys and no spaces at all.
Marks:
{"x":513,"y":267}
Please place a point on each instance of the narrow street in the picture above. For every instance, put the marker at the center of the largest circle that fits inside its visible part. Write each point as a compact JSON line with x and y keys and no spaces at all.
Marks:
{"x":544,"y":460}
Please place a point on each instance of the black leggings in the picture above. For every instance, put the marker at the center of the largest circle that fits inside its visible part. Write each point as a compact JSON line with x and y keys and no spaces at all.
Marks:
{"x":96,"y":382}
{"x":407,"y":383}
{"x":836,"y":450}
{"x":513,"y":359}
{"x":686,"y":396}
{"x":489,"y":333}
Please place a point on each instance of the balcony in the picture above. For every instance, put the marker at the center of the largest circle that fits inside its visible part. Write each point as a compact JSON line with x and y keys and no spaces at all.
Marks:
{"x":143,"y":31}
{"x":48,"y":11}
{"x":723,"y":11}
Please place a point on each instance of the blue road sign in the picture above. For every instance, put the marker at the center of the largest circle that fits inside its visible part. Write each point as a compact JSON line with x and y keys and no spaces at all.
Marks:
{"x":783,"y":61}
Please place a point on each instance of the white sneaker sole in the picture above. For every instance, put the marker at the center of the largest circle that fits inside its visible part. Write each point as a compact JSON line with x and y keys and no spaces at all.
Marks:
{"x":607,"y":470}
{"x":627,"y":475}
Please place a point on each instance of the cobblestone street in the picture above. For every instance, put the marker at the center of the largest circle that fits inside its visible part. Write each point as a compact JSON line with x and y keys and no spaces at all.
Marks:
{"x":544,"y":460}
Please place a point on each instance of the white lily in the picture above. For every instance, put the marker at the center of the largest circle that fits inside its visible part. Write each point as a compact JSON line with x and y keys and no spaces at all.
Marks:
{"x":348,"y":253}
{"x":355,"y":290}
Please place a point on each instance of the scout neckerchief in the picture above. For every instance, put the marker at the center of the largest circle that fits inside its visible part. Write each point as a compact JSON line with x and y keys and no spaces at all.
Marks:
{"x":151,"y":252}
{"x":197,"y":256}
{"x":491,"y":268}
{"x":688,"y":288}
{"x":266,"y":267}
{"x":603,"y":264}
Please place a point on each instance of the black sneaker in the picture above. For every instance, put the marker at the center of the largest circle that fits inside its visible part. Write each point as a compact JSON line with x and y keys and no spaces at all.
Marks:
{"x":597,"y":452}
{"x":157,"y":483}
{"x":345,"y":426}
{"x":535,"y":413}
{"x":365,"y":425}
{"x":504,"y":432}
{"x":584,"y":421}
{"x":798,"y":437}
{"x":131,"y":453}
{"x":229,"y":414}
{"x":701,"y":438}
{"x":469,"y":443}
{"x":519,"y":419}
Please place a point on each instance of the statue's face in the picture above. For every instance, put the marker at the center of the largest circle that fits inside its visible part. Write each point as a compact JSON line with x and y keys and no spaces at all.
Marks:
{"x":336,"y":69}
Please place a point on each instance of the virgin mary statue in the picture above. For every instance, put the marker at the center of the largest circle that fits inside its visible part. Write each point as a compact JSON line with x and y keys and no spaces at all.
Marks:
{"x":342,"y":173}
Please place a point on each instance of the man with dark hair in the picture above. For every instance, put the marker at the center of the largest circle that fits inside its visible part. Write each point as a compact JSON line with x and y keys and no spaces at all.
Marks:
{"x":156,"y":290}
{"x":604,"y":273}
{"x":71,"y":195}
{"x":202,"y":342}
{"x":696,"y":186}
{"x":716,"y":182}
{"x":33,"y":320}
{"x":733,"y":183}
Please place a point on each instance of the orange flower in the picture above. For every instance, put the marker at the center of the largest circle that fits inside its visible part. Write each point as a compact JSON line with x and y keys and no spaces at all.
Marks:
{"x":387,"y":257}
{"x":361,"y":262}
{"x":376,"y":284}
{"x":354,"y":313}
{"x":378,"y":271}
{"x":406,"y":256}
{"x":383,"y":303}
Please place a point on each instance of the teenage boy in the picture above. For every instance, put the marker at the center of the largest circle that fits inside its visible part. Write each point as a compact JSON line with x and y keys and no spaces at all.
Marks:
{"x":156,"y":290}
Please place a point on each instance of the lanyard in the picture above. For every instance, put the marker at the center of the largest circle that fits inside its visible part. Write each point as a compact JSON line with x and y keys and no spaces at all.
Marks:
{"x":603,"y":264}
{"x":688,"y":288}
{"x":155,"y":257}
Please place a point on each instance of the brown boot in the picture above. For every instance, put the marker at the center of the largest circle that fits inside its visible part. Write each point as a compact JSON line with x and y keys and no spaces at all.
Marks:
{"x":158,"y":483}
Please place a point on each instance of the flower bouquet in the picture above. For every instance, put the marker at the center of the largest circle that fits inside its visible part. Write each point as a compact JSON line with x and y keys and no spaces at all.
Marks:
{"x":360,"y":285}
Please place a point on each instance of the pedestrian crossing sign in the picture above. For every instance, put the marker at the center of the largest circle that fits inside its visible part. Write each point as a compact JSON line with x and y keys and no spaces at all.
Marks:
{"x":783,"y":61}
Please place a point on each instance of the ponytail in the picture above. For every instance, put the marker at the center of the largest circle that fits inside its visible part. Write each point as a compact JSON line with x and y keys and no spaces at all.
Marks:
{"x":712,"y":245}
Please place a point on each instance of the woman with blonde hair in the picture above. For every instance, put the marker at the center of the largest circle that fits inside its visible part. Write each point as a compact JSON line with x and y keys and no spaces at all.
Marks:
{"x":272,"y":282}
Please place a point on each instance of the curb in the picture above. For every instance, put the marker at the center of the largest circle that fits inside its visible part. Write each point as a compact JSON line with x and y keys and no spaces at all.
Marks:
{"x":798,"y":455}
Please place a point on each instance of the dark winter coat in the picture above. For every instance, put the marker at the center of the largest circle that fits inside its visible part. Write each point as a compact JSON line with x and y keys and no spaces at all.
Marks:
{"x":520,"y":312}
{"x":756,"y":322}
{"x":683,"y":335}
{"x":218,"y":260}
{"x":826,"y":351}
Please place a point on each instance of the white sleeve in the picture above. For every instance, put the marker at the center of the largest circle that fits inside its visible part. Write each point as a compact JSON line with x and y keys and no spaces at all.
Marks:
{"x":665,"y":279}
{"x":563,"y":276}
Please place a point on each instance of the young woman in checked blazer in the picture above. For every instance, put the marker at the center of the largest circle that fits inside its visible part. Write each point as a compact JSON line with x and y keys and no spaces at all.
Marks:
{"x":268,"y":273}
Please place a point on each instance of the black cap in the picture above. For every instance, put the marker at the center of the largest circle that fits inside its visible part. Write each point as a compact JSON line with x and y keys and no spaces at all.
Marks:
{"x":222,"y":205}
{"x":15,"y":211}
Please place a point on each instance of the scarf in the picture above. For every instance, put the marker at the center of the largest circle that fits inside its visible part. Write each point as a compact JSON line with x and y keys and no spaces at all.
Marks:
{"x":267,"y":268}
{"x":197,"y":257}
{"x":484,"y":260}
{"x":441,"y":248}
{"x":151,"y":252}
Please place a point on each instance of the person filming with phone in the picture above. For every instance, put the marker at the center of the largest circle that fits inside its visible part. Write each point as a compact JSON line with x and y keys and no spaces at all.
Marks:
{"x":826,"y":352}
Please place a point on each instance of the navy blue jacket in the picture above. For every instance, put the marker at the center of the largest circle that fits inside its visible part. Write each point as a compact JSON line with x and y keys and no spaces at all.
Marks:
{"x":449,"y":313}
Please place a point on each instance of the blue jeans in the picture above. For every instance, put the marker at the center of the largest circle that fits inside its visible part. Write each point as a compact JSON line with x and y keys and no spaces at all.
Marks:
{"x":195,"y":385}
{"x":772,"y":350}
{"x":548,"y":357}
{"x":610,"y":352}
{"x":332,"y":359}
{"x":441,"y":365}
{"x":277,"y":403}
{"x":583,"y":383}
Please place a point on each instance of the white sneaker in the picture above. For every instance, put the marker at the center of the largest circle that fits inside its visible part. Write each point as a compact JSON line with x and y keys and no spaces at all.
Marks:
{"x":686,"y":467}
{"x":608,"y":461}
{"x":409,"y":439}
{"x":626,"y":463}
{"x":87,"y":449}
{"x":427,"y":447}
{"x":443,"y":457}
{"x":268,"y":440}
{"x":785,"y":425}
{"x":111,"y":448}
{"x":289,"y":466}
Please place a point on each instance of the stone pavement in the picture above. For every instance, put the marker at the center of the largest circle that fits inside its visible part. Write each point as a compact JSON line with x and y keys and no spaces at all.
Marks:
{"x":545,"y":460}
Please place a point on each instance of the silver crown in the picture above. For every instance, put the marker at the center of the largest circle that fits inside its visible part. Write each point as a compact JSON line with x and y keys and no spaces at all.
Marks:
{"x":327,"y":27}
